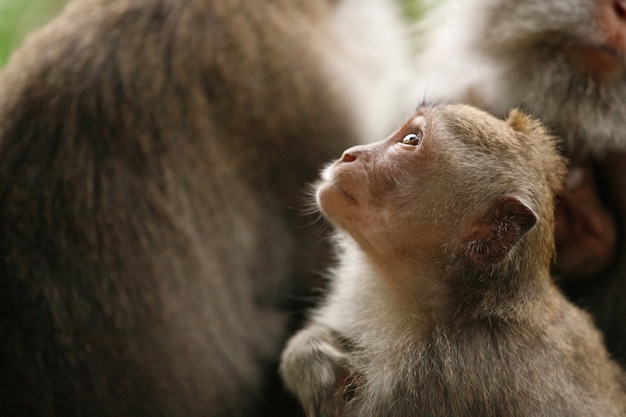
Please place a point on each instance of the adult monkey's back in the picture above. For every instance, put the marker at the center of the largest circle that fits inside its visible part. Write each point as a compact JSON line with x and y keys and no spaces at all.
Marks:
{"x":152,"y":157}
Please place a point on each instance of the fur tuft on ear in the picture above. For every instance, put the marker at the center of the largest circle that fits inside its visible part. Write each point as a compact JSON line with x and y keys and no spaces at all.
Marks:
{"x":521,"y":122}
{"x":494,"y":235}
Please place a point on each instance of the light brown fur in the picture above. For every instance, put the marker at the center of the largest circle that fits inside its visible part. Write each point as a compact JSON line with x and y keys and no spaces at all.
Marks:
{"x":564,"y":62}
{"x":442,"y":303}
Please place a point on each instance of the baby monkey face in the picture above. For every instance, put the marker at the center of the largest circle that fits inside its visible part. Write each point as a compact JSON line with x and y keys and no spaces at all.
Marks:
{"x":366,"y":174}
{"x":391,"y":194}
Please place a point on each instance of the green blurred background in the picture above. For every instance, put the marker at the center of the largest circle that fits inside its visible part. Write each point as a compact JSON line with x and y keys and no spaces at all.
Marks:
{"x":18,"y":17}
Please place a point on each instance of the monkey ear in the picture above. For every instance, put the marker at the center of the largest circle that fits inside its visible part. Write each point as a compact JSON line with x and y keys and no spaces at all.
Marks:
{"x":521,"y":122}
{"x":494,"y":235}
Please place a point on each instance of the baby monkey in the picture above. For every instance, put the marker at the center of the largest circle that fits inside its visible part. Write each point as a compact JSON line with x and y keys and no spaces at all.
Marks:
{"x":442,"y":303}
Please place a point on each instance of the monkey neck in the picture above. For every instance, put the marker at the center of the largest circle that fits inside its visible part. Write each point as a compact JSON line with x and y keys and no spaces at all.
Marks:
{"x":384,"y":298}
{"x":505,"y":292}
{"x":434,"y":294}
{"x":410,"y":301}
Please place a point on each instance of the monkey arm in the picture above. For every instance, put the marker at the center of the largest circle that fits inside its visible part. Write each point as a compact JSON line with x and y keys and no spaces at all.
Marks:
{"x":610,"y":294}
{"x":585,"y":229}
{"x":601,"y":288}
{"x":318,"y":370}
{"x":614,"y":171}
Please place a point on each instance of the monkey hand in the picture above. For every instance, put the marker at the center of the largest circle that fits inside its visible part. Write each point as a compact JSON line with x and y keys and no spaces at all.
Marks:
{"x":585,"y":232}
{"x":318,"y":370}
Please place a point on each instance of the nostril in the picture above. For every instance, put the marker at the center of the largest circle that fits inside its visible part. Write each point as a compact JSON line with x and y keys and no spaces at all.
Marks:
{"x":348,"y":157}
{"x":620,"y":8}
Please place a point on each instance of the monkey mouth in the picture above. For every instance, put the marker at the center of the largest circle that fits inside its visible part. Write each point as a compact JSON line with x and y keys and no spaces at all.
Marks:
{"x":615,"y":53}
{"x":599,"y":60}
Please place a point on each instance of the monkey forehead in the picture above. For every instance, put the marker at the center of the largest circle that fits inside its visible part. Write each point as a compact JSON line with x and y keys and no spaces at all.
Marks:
{"x":472,"y":138}
{"x":420,"y":119}
{"x":475,"y":127}
{"x":488,"y":133}
{"x":519,"y":143}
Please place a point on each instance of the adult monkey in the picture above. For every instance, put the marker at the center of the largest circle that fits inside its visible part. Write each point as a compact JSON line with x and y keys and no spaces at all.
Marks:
{"x":152,"y":157}
{"x":564,"y":63}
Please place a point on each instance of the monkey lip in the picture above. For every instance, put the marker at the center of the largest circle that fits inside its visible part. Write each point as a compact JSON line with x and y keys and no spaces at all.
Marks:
{"x":607,"y":51}
{"x":337,"y":176}
{"x":599,"y":60}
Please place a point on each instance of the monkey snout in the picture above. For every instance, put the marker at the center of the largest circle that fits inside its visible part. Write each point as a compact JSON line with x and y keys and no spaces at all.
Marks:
{"x":348,"y":156}
{"x":356,"y":152}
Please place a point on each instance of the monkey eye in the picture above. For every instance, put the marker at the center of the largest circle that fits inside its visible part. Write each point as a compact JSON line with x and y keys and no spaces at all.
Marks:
{"x":414,"y":139}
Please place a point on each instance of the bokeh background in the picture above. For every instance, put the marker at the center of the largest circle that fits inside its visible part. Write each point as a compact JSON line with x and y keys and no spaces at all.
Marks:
{"x":18,"y":17}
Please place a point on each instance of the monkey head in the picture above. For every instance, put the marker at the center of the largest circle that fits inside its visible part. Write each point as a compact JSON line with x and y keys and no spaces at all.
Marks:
{"x":451,"y":180}
{"x":590,"y":34}
{"x":565,"y":61}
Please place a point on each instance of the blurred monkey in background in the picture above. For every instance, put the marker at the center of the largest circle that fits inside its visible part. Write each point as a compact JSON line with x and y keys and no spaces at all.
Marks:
{"x":153,"y":256}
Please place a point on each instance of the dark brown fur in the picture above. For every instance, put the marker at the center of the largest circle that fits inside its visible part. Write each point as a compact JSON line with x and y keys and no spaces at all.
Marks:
{"x":152,"y":157}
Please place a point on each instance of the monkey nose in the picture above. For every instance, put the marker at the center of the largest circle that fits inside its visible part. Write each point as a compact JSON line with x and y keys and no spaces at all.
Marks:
{"x":348,"y":156}
{"x":620,"y":8}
